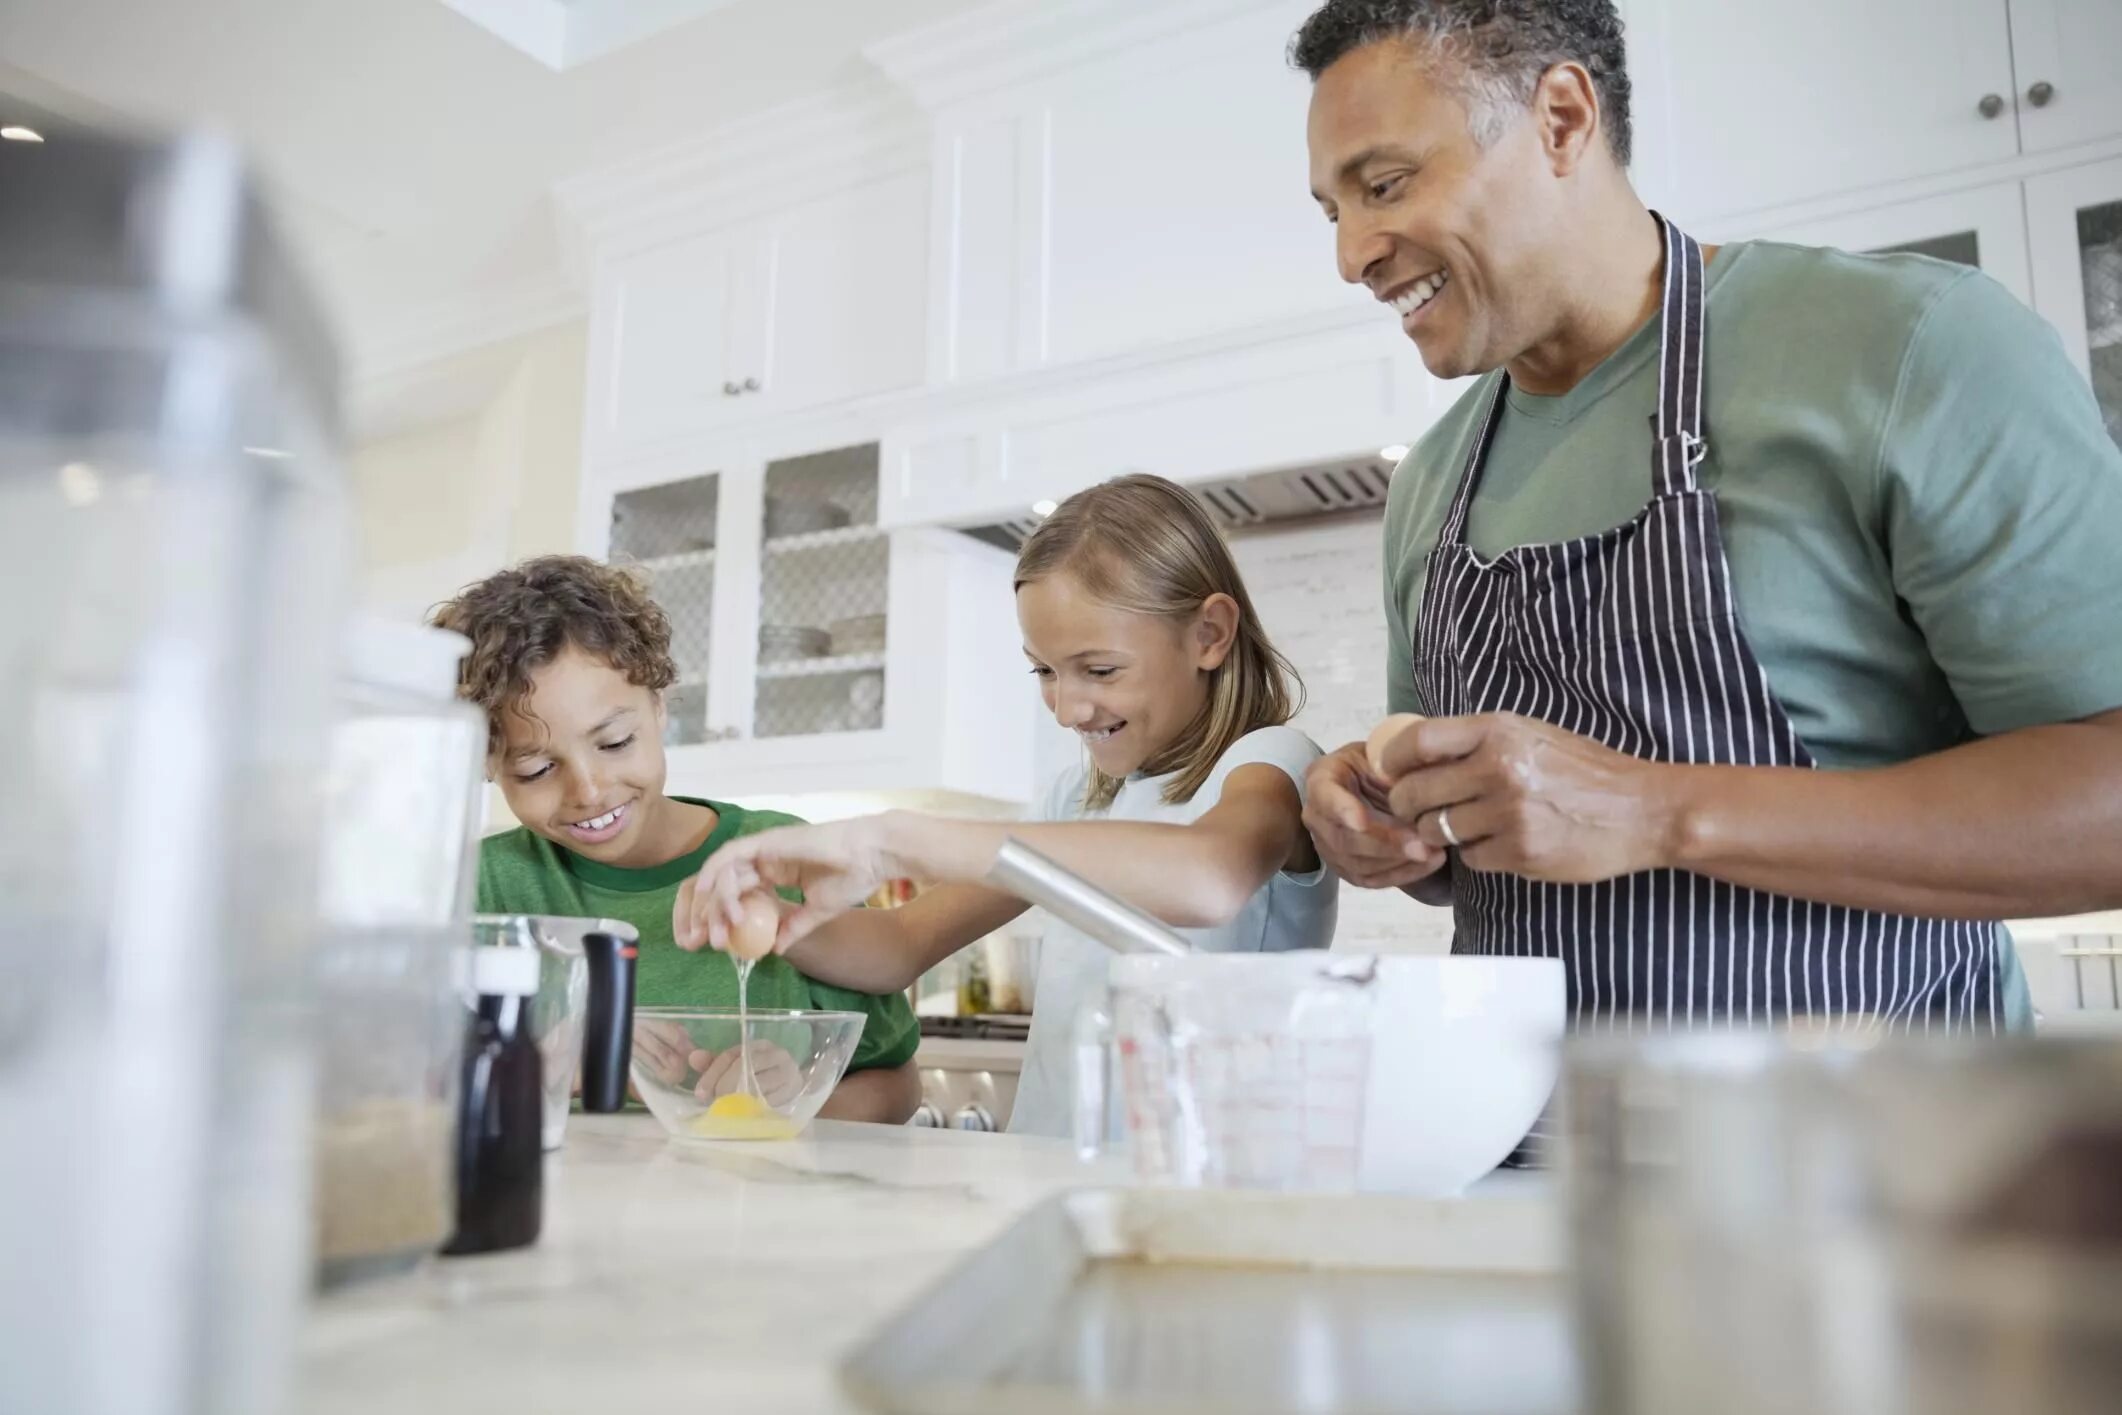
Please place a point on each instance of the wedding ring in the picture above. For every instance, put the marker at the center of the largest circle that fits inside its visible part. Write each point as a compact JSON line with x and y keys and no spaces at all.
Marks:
{"x":1444,"y":823}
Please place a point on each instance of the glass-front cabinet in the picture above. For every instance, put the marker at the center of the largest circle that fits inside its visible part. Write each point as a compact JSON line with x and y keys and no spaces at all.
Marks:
{"x":817,"y":652}
{"x":668,"y":533}
{"x":2074,"y":223}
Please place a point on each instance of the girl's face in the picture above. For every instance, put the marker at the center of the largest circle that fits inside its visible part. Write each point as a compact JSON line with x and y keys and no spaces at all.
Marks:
{"x":581,"y":760}
{"x":1128,"y":684}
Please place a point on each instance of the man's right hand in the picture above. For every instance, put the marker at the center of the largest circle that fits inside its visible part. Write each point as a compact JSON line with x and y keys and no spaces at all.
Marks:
{"x":1363,"y":844}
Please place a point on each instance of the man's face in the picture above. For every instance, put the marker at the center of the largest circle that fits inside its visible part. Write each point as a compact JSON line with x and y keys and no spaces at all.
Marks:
{"x":1447,"y":232}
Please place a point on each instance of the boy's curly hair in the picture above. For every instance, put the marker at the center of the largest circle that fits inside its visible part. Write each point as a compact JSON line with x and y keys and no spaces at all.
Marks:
{"x":522,"y":619}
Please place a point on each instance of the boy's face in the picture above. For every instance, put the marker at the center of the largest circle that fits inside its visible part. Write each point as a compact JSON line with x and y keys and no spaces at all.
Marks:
{"x":581,"y":759}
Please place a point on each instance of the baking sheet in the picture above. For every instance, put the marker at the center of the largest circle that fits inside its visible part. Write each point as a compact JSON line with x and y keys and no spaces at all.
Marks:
{"x":1136,"y":1300}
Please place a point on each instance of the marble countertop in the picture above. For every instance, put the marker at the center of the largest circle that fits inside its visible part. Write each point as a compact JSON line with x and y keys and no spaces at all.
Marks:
{"x":669,"y":1274}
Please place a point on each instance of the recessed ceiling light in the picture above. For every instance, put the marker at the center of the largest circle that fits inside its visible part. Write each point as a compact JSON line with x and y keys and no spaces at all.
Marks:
{"x":1045,"y":508}
{"x":15,"y":134}
{"x":1393,"y":453}
{"x":79,"y":484}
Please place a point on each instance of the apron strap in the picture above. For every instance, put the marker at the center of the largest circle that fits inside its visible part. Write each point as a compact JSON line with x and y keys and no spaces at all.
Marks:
{"x":1676,"y":429}
{"x":1454,"y":528}
{"x":1682,"y":341}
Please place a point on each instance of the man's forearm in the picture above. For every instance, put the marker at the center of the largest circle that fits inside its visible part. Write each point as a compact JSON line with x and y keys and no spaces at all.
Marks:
{"x":2023,"y":825}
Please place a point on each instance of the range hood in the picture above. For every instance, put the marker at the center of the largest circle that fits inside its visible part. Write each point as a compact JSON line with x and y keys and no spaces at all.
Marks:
{"x":1344,"y":487}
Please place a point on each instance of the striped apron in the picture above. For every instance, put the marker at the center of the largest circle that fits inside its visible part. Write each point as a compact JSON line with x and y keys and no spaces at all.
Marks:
{"x":1631,"y":638}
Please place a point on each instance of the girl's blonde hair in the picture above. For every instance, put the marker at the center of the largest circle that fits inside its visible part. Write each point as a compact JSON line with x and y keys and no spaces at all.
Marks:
{"x":1146,"y":545}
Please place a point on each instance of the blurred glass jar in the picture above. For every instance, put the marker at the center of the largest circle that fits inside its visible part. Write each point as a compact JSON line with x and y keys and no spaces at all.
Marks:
{"x":173,"y":548}
{"x":399,"y":873}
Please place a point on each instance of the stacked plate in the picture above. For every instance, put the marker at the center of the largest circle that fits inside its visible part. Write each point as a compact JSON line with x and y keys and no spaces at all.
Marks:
{"x":863,"y":633}
{"x":781,"y":643}
{"x":802,"y":516}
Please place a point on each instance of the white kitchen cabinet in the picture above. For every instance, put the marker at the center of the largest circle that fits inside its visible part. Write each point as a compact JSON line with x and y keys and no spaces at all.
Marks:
{"x":819,"y":652}
{"x":1150,"y":196}
{"x":2068,"y":58}
{"x":671,"y":334}
{"x":1743,"y":107}
{"x":846,"y":297}
{"x":1985,"y":228}
{"x":820,"y":303}
{"x":2074,"y":223}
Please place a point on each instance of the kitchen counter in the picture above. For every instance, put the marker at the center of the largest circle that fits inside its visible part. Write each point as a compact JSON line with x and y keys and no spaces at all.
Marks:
{"x":737,"y":1273}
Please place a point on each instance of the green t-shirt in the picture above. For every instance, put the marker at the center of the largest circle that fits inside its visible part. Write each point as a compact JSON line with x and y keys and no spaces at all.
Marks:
{"x":1920,"y":504}
{"x":521,"y":872}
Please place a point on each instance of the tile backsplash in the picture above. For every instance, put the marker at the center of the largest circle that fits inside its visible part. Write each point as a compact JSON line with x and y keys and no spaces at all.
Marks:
{"x":1319,"y":591}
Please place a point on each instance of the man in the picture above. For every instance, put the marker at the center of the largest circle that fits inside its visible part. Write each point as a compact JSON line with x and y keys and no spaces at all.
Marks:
{"x":1711,"y":520}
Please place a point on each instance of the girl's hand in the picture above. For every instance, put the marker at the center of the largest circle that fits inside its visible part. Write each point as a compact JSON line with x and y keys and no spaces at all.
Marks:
{"x":837,"y":866}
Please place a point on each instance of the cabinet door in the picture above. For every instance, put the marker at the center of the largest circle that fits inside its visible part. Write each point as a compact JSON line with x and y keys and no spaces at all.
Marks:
{"x":2068,"y":59}
{"x":671,"y":535}
{"x":824,"y":598}
{"x":2074,"y":221}
{"x":1744,"y":106}
{"x":846,"y":312}
{"x":1985,"y":228}
{"x":1142,"y":200}
{"x":665,"y":327}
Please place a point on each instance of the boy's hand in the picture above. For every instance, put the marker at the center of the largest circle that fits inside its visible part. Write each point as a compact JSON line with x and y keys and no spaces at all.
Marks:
{"x":721,"y":1073}
{"x":665,"y":1050}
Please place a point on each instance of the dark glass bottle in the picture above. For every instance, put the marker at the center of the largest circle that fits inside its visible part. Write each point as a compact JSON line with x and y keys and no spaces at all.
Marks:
{"x":500,"y":1158}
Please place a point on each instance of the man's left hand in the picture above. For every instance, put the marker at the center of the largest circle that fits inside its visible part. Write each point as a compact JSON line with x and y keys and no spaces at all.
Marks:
{"x":1526,"y":798}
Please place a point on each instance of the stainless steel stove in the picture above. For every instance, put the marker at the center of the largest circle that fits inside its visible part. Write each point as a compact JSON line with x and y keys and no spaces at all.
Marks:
{"x":969,"y":1069}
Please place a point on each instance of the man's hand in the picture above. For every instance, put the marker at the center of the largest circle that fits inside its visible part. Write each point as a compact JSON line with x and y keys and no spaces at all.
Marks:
{"x":1526,"y":798}
{"x":1344,"y":811}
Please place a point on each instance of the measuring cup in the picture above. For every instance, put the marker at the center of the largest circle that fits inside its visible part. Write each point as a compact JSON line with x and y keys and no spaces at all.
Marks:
{"x":1319,"y":1072}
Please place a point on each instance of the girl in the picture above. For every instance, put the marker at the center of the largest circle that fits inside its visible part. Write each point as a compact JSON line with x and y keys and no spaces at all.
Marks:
{"x":569,"y":661}
{"x":1144,"y":643}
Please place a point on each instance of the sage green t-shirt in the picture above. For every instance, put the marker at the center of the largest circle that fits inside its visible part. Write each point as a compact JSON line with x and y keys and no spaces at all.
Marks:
{"x":521,"y":872}
{"x":1921,"y":509}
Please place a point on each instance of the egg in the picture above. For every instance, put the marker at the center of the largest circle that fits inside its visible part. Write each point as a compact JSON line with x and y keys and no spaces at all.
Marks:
{"x":752,"y":937}
{"x":1384,"y":732}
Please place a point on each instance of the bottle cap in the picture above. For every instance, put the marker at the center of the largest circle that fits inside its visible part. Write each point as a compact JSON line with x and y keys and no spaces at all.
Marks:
{"x":505,"y":970}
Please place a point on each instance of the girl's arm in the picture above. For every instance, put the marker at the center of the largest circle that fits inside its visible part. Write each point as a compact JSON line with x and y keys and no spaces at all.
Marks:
{"x":886,"y":950}
{"x":1191,"y":876}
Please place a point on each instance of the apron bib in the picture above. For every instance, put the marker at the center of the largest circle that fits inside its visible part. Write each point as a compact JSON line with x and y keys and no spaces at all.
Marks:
{"x":1631,"y":638}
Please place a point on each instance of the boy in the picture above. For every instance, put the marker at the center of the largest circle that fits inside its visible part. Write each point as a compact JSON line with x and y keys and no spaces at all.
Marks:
{"x":569,"y":661}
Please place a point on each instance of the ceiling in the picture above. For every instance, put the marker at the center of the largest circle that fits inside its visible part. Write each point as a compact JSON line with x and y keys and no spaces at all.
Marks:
{"x":410,"y":149}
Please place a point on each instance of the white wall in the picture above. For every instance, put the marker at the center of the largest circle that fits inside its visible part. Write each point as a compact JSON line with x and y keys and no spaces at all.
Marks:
{"x":444,"y":504}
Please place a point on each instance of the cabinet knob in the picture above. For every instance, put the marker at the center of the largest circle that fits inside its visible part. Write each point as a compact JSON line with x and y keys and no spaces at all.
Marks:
{"x":2040,"y":94}
{"x":751,"y":385}
{"x":730,"y":390}
{"x":1991,"y":106}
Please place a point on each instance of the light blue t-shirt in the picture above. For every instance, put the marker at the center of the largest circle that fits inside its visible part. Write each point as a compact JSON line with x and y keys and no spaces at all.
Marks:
{"x":1289,"y":911}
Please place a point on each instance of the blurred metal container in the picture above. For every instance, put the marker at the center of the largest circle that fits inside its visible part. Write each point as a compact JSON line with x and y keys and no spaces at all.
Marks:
{"x":1843,"y":1225}
{"x":172,"y":556}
